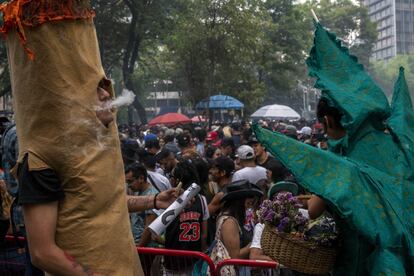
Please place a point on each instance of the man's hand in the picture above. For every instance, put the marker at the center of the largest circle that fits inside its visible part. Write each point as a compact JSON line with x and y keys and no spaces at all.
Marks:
{"x":166,"y":198}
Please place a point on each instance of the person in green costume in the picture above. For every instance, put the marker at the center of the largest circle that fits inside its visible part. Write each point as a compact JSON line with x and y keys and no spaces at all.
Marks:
{"x":366,"y":178}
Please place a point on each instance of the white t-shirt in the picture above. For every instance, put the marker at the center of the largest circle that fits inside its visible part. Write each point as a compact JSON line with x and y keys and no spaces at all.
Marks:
{"x":159,"y":180}
{"x":257,"y":236}
{"x":253,"y":174}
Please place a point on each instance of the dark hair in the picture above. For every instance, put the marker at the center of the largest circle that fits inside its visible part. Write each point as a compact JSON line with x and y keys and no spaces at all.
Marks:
{"x":149,"y":161}
{"x":129,"y":149}
{"x":228,"y":141}
{"x":183,"y":140}
{"x":225,"y":164}
{"x":164,"y":153}
{"x":324,"y":109}
{"x":168,"y":138}
{"x":200,"y":134}
{"x":236,"y":209}
{"x":279,"y":172}
{"x":186,"y":172}
{"x":210,"y":150}
{"x":202,"y":169}
{"x":137,"y":170}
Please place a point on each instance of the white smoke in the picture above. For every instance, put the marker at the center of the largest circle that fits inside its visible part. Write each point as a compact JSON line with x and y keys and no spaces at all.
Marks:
{"x":126,"y":98}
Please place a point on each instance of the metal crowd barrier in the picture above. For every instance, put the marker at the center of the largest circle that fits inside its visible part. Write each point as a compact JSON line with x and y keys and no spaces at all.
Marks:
{"x":256,"y":267}
{"x":154,"y":261}
{"x":171,"y":262}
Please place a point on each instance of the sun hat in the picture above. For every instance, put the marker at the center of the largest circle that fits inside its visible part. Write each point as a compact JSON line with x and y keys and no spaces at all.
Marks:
{"x":240,"y":189}
{"x":283,"y":186}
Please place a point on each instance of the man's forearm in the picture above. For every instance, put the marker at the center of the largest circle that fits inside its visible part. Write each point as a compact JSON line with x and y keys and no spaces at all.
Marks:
{"x":146,"y":235}
{"x":140,"y":203}
{"x":40,"y":220}
{"x":57,"y":262}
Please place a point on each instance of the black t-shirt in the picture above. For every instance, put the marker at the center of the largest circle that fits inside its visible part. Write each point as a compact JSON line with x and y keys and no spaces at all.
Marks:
{"x":184,"y":233}
{"x":40,"y":186}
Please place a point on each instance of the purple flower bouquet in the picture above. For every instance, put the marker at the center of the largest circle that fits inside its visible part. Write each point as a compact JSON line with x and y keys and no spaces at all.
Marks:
{"x":283,"y":213}
{"x":292,"y":240}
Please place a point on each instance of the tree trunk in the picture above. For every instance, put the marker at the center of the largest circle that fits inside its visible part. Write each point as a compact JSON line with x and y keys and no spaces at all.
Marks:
{"x":131,"y":57}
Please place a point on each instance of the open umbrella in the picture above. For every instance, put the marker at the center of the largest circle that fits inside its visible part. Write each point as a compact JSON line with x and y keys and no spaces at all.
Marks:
{"x":276,"y":111}
{"x":220,"y":102}
{"x":170,"y":119}
{"x":199,"y":119}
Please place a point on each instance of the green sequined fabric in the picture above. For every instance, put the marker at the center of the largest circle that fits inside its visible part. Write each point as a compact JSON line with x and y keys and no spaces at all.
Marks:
{"x":367,"y":177}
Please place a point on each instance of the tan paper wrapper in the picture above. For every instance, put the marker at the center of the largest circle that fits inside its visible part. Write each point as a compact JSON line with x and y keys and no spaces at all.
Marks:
{"x":54,"y":97}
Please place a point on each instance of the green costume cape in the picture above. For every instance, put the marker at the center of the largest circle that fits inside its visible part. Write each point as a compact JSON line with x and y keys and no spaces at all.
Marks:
{"x":367,"y":177}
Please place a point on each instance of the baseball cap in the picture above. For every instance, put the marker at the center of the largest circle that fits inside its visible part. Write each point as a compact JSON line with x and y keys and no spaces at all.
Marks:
{"x":305,"y":131}
{"x":150,"y":136}
{"x":245,"y":152}
{"x":290,"y":131}
{"x":152,"y":143}
{"x":212,"y":136}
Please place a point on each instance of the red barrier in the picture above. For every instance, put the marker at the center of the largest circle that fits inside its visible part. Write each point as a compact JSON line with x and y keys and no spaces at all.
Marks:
{"x":11,"y":238}
{"x":178,"y":253}
{"x":214,"y":269}
{"x":245,"y":263}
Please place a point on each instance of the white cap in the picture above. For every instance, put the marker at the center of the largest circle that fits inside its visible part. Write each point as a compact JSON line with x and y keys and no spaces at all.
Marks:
{"x":305,"y":130}
{"x":245,"y":152}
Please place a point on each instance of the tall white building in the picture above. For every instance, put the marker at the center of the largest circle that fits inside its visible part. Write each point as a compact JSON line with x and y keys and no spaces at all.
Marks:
{"x":395,"y":24}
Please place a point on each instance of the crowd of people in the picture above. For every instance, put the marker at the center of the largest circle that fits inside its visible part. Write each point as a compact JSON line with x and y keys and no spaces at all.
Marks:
{"x":88,"y":196}
{"x":235,"y":172}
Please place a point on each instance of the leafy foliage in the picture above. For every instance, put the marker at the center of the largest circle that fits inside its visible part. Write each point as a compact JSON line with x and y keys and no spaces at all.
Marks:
{"x":385,"y":73}
{"x":251,"y":49}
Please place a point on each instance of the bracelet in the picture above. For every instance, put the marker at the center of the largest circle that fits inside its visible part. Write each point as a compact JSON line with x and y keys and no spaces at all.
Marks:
{"x":155,"y":201}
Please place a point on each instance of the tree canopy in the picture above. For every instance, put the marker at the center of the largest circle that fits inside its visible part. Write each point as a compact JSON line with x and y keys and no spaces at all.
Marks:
{"x":251,"y":49}
{"x":385,"y":73}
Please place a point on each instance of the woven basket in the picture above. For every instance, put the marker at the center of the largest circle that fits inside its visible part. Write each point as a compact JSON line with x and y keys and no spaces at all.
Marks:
{"x":299,"y":255}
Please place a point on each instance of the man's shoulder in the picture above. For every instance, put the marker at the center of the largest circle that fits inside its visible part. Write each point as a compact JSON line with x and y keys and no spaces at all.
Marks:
{"x":240,"y":172}
{"x":157,"y":175}
{"x":150,"y":191}
{"x":159,"y":179}
{"x":257,"y":168}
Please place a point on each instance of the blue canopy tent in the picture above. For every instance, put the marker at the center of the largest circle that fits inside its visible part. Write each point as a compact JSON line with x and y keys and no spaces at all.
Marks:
{"x":220,"y":103}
